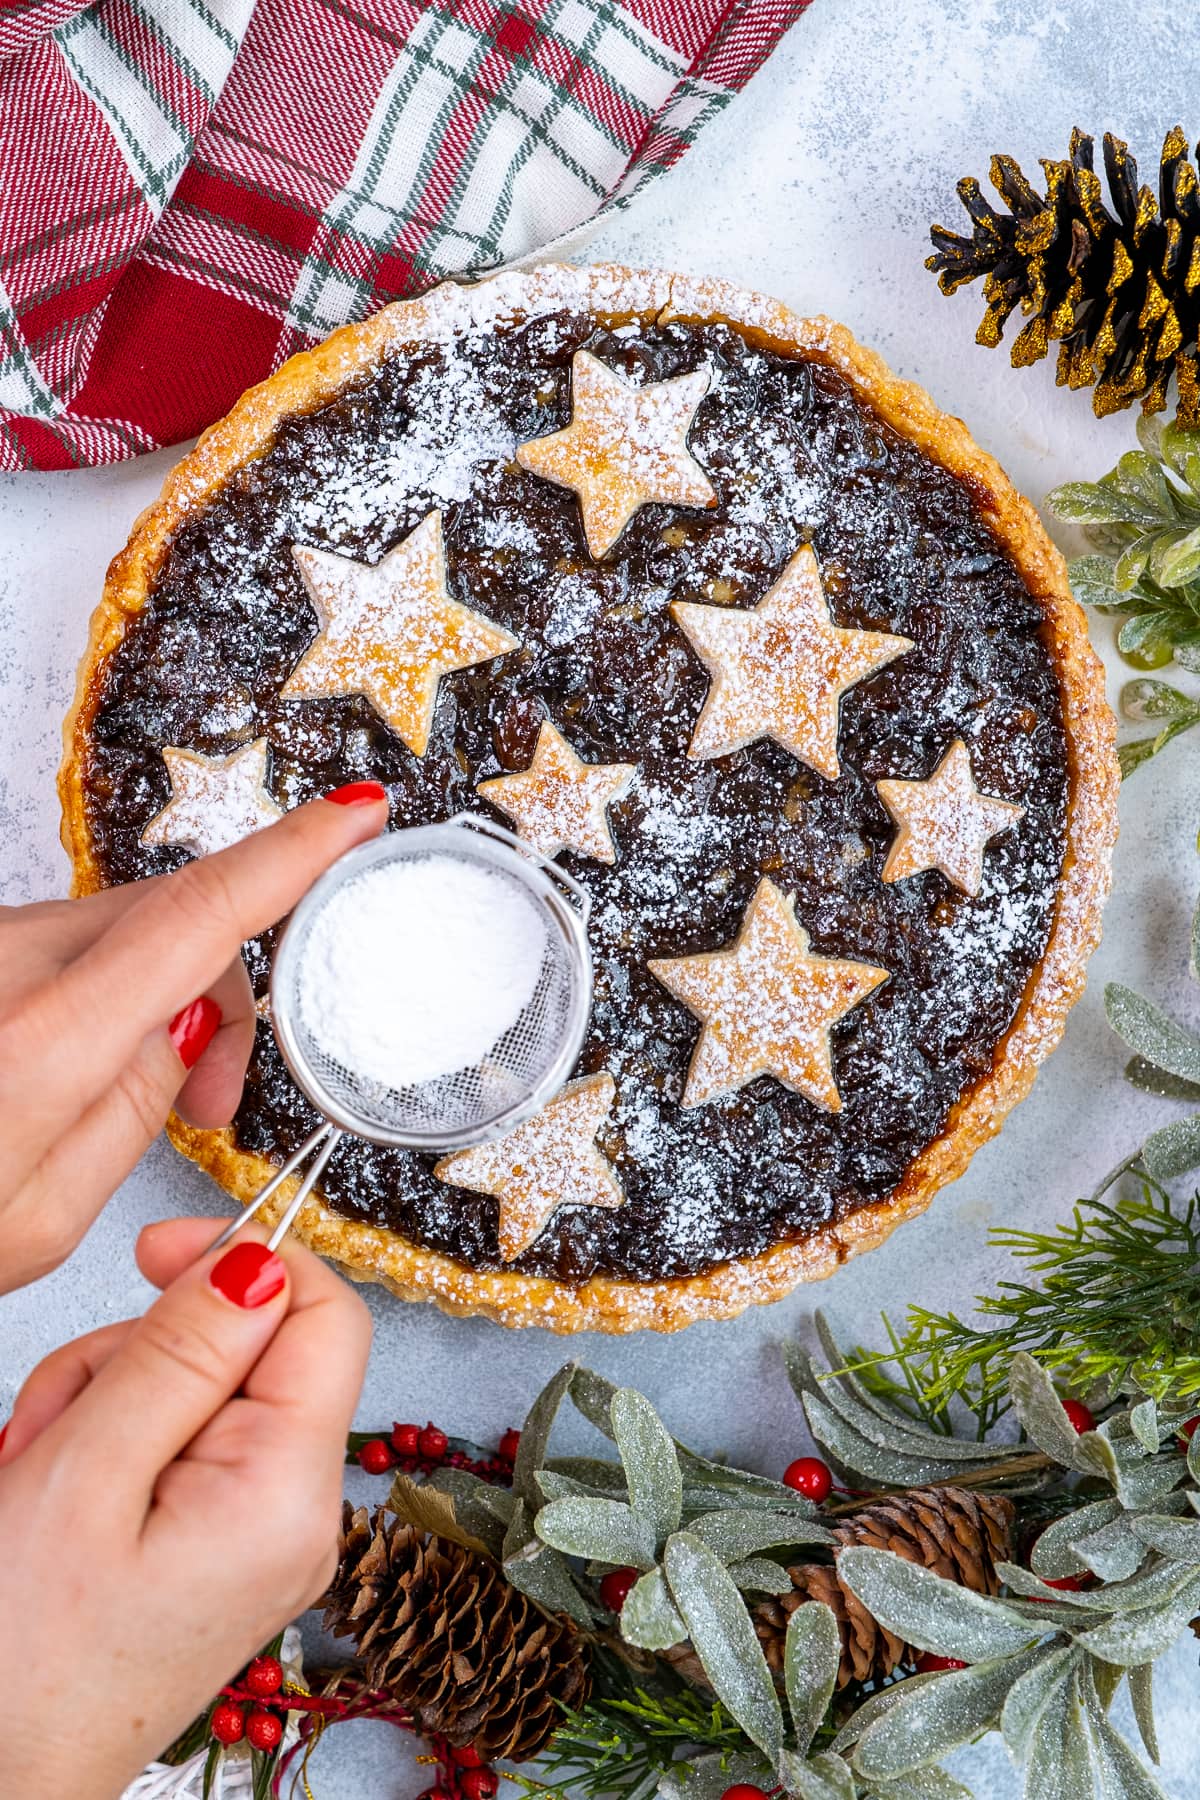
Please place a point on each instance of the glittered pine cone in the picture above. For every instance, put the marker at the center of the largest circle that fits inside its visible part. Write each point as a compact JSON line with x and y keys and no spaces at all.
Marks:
{"x":957,"y":1534}
{"x":1116,"y":286}
{"x":439,"y":1628}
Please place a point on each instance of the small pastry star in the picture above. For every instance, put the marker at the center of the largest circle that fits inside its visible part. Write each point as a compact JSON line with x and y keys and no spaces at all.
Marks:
{"x":559,"y":802}
{"x":625,"y":447}
{"x":215,"y":800}
{"x":551,"y":1160}
{"x":766,"y":1005}
{"x":780,"y":668}
{"x":945,"y":822}
{"x":390,"y":630}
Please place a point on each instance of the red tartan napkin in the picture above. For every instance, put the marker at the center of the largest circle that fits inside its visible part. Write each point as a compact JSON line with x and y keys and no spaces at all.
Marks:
{"x":192,"y":190}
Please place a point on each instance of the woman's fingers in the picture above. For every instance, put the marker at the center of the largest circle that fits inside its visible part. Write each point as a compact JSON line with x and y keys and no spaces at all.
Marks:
{"x":210,"y":1094}
{"x":169,"y":1246}
{"x":166,"y":949}
{"x":175,"y":1369}
{"x":56,"y":1381}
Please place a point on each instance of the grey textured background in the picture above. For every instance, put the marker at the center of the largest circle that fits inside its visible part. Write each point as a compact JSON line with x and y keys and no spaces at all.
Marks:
{"x":818,"y":186}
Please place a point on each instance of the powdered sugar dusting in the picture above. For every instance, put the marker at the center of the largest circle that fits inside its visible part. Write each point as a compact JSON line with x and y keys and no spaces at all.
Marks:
{"x":215,"y":800}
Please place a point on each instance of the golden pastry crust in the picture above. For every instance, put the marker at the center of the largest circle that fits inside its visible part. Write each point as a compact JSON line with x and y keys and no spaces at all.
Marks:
{"x":617,"y":295}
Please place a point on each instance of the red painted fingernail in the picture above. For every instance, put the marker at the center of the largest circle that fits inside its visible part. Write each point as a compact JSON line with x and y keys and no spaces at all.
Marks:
{"x":3,"y":1434}
{"x":194,"y":1029}
{"x":358,"y":793}
{"x":249,"y":1275}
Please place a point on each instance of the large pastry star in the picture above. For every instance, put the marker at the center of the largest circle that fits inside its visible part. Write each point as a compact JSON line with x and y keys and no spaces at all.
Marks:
{"x":779,"y":669}
{"x":559,"y":802}
{"x":390,"y":630}
{"x":550,"y":1161}
{"x":625,"y":446}
{"x":766,"y":1005}
{"x":215,"y":800}
{"x":945,"y":822}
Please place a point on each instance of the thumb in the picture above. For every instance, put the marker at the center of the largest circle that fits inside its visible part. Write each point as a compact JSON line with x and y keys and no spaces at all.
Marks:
{"x":177,"y":1367}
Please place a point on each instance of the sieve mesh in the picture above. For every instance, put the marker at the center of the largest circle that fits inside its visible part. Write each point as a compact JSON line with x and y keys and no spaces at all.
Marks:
{"x":520,"y":1072}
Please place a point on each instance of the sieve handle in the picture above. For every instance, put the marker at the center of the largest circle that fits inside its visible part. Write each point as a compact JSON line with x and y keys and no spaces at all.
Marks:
{"x":323,"y":1141}
{"x":575,"y":890}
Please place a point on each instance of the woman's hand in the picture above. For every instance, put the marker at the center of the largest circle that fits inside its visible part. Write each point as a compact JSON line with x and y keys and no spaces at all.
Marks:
{"x":169,"y":1499}
{"x":115,"y":1008}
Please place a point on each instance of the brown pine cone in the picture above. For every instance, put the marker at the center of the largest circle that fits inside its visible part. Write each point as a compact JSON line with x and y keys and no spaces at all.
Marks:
{"x":439,"y":1628}
{"x":958,"y":1534}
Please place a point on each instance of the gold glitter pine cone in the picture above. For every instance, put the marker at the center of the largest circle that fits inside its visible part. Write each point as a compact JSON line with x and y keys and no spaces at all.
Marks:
{"x":439,"y":1628}
{"x":957,"y":1534}
{"x":1116,"y":286}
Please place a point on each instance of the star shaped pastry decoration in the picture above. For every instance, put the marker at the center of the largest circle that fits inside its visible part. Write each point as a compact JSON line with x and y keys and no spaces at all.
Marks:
{"x":560,"y":802}
{"x":625,"y":447}
{"x":779,"y":669}
{"x":766,"y":1005}
{"x":390,"y":630}
{"x":215,"y":800}
{"x":551,"y":1160}
{"x":945,"y":822}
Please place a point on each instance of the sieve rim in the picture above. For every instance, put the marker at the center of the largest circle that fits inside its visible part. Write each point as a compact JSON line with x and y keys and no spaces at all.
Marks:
{"x":558,"y":894}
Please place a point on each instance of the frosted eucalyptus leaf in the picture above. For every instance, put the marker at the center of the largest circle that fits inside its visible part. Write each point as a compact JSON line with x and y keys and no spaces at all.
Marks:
{"x":921,"y":1784}
{"x":520,"y":1534}
{"x":1179,"y":561}
{"x":1113,"y":1553}
{"x":1179,"y":1538}
{"x":1143,"y":1075}
{"x":812,"y":1653}
{"x":651,"y":1466}
{"x":716,"y":1485}
{"x":927,"y":1724}
{"x":1053,"y":1555}
{"x":856,"y":1452}
{"x":1159,"y":1584}
{"x":873,"y":1417}
{"x":1094,"y":581}
{"x":1145,"y":1482}
{"x":1122,"y":1775}
{"x":546,"y":1580}
{"x":1060,"y":1763}
{"x":1141,"y":1693}
{"x":707,"y":1777}
{"x":591,"y":1472}
{"x":605,"y":1531}
{"x":759,"y":1575}
{"x":1173,"y":1149}
{"x":1148,"y":1030}
{"x":923,"y":1609}
{"x":1037,"y":1405}
{"x":875,"y":1707}
{"x":1193,"y":1460}
{"x":823,"y":1777}
{"x":1137,"y":1637}
{"x":1143,"y":1421}
{"x":1088,"y":503}
{"x":724,"y":1639}
{"x":1094,"y":1455}
{"x":649,"y":1619}
{"x":592,"y":1395}
{"x":535,"y":1434}
{"x":1029,"y":1697}
{"x":1106,"y":1679}
{"x":482,"y":1509}
{"x":737,"y":1532}
{"x":561,"y":1487}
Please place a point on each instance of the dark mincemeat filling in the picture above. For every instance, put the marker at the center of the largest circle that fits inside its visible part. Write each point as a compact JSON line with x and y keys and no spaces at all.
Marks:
{"x":793,"y":456}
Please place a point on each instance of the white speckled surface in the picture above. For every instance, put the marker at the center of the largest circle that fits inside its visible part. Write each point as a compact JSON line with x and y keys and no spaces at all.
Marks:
{"x":818,"y":187}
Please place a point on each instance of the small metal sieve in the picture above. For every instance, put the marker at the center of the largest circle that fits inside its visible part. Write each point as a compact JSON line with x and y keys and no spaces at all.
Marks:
{"x":472,"y":1105}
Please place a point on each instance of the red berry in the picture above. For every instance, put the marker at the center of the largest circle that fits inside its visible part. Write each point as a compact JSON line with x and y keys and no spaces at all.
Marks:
{"x":614,"y":1589}
{"x":1070,"y":1584}
{"x":406,"y":1440}
{"x":466,"y":1756}
{"x":809,"y":1476}
{"x":1187,"y":1431}
{"x":1079,"y":1415}
{"x":433,"y":1444}
{"x":263,"y":1678}
{"x":480,"y":1784}
{"x":510,"y":1443}
{"x":375,"y":1457}
{"x":744,"y":1790}
{"x":263,"y":1731}
{"x":435,"y":1793}
{"x":929,"y":1664}
{"x":228,"y":1723}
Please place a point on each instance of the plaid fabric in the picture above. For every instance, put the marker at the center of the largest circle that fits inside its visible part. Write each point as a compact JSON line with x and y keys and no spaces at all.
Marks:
{"x":192,"y":190}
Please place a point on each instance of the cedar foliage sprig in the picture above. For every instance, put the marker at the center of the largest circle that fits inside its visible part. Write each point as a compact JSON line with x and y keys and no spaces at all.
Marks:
{"x":623,"y":1741}
{"x":1143,"y":521}
{"x":1115,"y":1310}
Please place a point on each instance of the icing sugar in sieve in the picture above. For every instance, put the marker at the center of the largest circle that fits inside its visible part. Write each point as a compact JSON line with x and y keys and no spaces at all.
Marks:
{"x":430,"y":991}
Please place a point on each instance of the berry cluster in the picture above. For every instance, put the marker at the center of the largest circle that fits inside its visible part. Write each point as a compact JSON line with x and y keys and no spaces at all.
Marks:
{"x":465,"y":1775}
{"x":245,"y":1711}
{"x":416,"y":1448}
